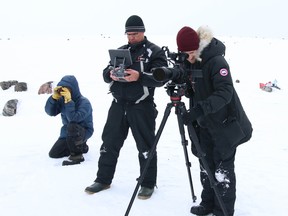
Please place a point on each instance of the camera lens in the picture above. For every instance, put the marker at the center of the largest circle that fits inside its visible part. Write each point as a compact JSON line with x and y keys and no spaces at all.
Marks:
{"x":59,"y":90}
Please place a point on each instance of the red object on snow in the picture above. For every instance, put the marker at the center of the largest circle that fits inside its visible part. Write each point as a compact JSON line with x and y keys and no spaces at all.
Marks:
{"x":266,"y":87}
{"x":261,"y":85}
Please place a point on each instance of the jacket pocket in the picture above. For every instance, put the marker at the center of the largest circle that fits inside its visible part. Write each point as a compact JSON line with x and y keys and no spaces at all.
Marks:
{"x":232,"y":132}
{"x":227,"y":136}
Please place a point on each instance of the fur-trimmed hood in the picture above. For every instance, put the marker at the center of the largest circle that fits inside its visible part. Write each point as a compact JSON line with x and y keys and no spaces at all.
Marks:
{"x":207,"y":40}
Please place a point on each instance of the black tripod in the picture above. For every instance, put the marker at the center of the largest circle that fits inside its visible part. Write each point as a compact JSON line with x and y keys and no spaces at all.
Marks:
{"x":176,"y":91}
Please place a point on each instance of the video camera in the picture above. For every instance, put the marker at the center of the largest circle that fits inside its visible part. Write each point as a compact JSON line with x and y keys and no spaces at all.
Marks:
{"x":179,"y":74}
{"x":121,"y":59}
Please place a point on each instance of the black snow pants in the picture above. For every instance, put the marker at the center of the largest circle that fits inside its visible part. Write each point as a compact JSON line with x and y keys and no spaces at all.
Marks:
{"x":140,"y":118}
{"x":222,"y":167}
{"x":73,"y":144}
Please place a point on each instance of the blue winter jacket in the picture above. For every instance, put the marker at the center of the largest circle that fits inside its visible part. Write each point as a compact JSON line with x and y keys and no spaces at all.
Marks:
{"x":78,"y":110}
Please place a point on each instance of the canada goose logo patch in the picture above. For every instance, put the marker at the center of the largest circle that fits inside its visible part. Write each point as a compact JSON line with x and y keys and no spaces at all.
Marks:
{"x":223,"y":72}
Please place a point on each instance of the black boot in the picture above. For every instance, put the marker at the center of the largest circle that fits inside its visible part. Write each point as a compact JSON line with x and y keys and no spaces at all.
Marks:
{"x":73,"y":159}
{"x":145,"y":193}
{"x":96,"y":187}
{"x":200,"y":210}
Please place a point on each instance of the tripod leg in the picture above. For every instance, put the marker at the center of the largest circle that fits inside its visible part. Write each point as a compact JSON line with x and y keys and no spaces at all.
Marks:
{"x":179,"y":110}
{"x":201,"y":156}
{"x":150,"y":156}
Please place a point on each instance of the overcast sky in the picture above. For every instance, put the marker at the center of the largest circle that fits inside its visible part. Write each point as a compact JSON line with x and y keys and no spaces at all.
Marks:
{"x":85,"y":18}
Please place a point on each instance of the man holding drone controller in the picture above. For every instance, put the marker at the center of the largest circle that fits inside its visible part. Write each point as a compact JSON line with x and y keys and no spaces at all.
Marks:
{"x":132,"y":107}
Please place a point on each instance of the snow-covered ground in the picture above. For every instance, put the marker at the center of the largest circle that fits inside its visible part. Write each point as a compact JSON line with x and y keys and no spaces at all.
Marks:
{"x":33,"y":184}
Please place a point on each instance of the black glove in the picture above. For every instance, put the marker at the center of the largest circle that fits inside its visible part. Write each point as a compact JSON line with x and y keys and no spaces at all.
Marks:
{"x":192,"y":115}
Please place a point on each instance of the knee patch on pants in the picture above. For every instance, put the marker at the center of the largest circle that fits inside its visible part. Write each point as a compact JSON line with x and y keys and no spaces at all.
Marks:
{"x":75,"y":137}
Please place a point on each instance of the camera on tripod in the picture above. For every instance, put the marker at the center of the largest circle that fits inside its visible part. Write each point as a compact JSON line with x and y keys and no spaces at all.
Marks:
{"x":121,"y":59}
{"x":179,"y":73}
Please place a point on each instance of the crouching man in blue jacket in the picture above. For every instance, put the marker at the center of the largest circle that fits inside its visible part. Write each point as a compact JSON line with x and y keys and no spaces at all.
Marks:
{"x":76,"y":114}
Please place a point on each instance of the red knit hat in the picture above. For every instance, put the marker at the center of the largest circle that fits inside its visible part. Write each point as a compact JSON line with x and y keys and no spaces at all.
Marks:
{"x":187,"y":39}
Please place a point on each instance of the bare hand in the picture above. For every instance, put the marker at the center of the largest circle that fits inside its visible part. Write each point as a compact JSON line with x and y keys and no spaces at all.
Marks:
{"x":132,"y":75}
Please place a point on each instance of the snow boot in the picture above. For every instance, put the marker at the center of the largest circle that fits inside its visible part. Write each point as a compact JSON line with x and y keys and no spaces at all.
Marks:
{"x":96,"y":187}
{"x":73,"y":159}
{"x":200,"y":210}
{"x":145,"y":193}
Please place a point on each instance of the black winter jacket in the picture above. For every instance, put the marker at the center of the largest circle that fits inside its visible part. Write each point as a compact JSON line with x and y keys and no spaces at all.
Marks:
{"x":224,"y":115}
{"x":151,"y":56}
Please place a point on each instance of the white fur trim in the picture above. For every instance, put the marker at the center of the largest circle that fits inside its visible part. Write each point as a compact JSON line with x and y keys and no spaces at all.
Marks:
{"x":205,"y":35}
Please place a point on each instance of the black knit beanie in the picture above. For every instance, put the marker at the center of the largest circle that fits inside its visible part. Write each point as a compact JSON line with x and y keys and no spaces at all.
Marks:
{"x":134,"y":24}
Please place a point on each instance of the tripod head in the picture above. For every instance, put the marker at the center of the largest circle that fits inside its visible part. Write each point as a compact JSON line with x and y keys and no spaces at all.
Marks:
{"x":175,"y":90}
